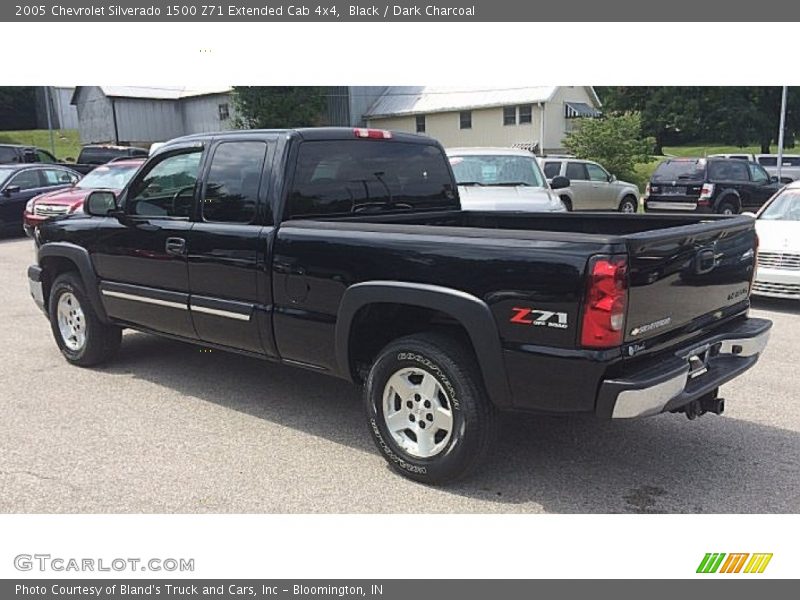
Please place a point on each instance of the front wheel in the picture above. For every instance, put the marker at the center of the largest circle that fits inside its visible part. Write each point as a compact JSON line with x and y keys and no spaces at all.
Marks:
{"x":427,"y":409}
{"x":628,"y":205}
{"x":82,"y":337}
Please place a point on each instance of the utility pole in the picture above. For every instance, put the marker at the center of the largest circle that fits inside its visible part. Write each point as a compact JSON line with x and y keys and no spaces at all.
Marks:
{"x":780,"y":131}
{"x":50,"y":120}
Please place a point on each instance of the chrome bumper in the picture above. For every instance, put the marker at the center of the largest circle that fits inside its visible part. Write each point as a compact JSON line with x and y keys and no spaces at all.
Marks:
{"x":692,"y":372}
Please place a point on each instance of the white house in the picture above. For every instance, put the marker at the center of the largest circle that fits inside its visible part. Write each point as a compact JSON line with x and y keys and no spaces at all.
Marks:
{"x":140,"y":115}
{"x":536,"y":118}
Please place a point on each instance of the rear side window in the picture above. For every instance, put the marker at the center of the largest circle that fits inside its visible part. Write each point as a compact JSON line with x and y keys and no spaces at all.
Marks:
{"x":58,"y":177}
{"x":728,"y":170}
{"x":231,"y":191}
{"x":552,"y":169}
{"x":674,"y":170}
{"x":577,"y":172}
{"x":350,"y":176}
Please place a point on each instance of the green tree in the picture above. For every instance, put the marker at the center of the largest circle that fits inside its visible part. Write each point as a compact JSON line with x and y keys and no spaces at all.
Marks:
{"x":17,"y":107}
{"x":726,"y":115}
{"x":279,"y":107}
{"x":614,"y":141}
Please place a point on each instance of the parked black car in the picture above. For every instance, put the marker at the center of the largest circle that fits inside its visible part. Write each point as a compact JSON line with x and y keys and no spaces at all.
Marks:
{"x":100,"y":154}
{"x":22,"y":182}
{"x":709,"y":185}
{"x":19,"y":154}
{"x":346,"y":252}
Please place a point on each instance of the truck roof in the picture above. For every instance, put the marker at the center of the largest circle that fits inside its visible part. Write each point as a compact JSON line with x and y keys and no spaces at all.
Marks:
{"x":307,"y":133}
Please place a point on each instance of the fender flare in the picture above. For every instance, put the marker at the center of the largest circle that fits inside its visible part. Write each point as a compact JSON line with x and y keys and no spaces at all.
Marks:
{"x":80,"y":257}
{"x":471,"y":312}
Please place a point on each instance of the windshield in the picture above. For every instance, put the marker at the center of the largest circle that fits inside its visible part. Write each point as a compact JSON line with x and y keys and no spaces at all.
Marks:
{"x":113,"y":178}
{"x":497,"y":170}
{"x":673,"y":170}
{"x":5,"y":174}
{"x":786,"y":207}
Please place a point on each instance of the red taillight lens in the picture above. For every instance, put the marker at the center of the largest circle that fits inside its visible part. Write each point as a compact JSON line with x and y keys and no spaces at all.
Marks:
{"x":376,"y":134}
{"x":606,"y":302}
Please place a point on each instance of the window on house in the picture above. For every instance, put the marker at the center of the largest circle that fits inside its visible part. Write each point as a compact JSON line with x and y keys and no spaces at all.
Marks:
{"x":509,"y":115}
{"x":224,"y":111}
{"x":420,"y":123}
{"x":465,"y":119}
{"x":525,"y":114}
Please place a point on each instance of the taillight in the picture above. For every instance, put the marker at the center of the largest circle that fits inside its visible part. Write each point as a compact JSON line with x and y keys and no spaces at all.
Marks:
{"x":376,"y":134}
{"x":647,"y":190}
{"x":706,"y":192}
{"x":605,"y":303}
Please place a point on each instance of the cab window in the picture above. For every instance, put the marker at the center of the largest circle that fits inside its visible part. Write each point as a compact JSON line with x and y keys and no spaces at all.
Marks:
{"x":166,"y":189}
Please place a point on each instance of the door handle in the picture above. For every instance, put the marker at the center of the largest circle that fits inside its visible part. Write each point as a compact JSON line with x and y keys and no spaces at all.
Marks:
{"x":175,"y":246}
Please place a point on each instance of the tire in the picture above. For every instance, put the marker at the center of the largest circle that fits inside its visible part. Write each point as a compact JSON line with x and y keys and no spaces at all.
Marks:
{"x":629,"y":204}
{"x":413,"y":377}
{"x":567,"y":203}
{"x":83,"y":339}
{"x":728,"y":207}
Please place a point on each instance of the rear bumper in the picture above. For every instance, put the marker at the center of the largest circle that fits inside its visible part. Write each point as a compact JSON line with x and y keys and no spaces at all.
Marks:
{"x":36,"y":287}
{"x":692,"y":372}
{"x":689,"y":205}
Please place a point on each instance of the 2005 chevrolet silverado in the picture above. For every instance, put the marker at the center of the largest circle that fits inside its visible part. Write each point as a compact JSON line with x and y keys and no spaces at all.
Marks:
{"x":346,"y":252}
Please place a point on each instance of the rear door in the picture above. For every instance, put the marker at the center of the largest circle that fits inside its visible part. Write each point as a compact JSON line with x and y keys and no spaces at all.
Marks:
{"x":228,"y":277}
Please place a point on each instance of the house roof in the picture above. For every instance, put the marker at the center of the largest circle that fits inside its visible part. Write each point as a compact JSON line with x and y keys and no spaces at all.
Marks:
{"x":157,"y":92}
{"x":410,"y":100}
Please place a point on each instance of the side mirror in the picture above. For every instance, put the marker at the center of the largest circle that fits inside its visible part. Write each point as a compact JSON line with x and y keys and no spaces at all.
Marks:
{"x":749,"y":214}
{"x":612,"y":178}
{"x":11,"y":190}
{"x":69,"y":159}
{"x":559,"y":182}
{"x":100,"y":203}
{"x":774,"y":179}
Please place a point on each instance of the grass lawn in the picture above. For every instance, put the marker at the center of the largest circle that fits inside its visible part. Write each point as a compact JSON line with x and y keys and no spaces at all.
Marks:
{"x":67,"y":141}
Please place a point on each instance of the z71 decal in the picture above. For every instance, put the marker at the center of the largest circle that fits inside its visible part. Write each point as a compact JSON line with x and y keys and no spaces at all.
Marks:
{"x":539,"y":318}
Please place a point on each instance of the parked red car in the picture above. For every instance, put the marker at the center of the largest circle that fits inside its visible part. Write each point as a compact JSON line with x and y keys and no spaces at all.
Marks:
{"x":111,"y":176}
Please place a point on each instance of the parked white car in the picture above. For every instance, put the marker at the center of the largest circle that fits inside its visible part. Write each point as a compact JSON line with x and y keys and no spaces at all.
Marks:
{"x":790,"y":169}
{"x":502,"y":179}
{"x":778,"y":228}
{"x":592,"y":187}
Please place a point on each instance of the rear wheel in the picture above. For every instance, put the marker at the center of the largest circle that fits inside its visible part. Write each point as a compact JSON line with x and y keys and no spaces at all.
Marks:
{"x":728,"y":207}
{"x":83,"y":339}
{"x":628,"y":205}
{"x":428,"y":413}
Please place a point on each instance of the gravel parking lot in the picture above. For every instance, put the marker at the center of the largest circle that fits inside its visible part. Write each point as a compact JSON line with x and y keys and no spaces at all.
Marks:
{"x":169,"y":427}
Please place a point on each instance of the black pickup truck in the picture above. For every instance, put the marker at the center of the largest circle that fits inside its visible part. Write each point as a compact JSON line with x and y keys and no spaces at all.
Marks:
{"x":346,"y":252}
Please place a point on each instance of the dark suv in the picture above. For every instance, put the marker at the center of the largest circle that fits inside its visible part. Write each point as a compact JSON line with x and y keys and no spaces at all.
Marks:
{"x":100,"y":154}
{"x":722,"y":185}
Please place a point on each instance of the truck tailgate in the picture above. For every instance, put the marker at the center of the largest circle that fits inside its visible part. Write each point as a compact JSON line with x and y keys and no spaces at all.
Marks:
{"x":686,"y":275}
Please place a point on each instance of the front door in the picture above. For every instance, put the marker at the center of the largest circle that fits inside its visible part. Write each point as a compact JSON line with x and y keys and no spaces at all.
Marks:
{"x":228,"y":273}
{"x":582,"y":192}
{"x":761,"y":185}
{"x":602,"y":190}
{"x":141,"y":257}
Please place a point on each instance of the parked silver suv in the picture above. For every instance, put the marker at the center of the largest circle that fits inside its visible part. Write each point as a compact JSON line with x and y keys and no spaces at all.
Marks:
{"x":591,"y":186}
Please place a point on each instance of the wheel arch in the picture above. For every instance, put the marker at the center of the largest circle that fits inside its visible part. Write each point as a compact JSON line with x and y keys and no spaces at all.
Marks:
{"x":468,"y":311}
{"x":56,"y":258}
{"x":728,"y":195}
